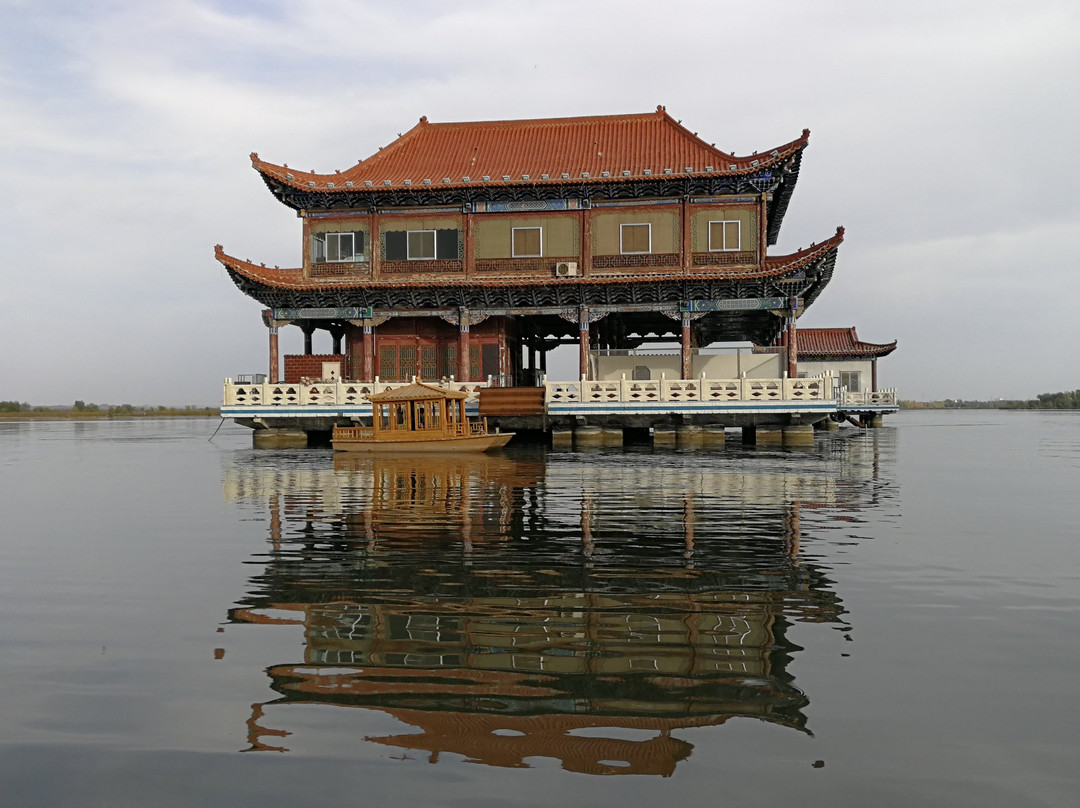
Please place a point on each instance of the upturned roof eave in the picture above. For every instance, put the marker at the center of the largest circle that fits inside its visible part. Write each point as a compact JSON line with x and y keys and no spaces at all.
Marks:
{"x":316,"y":183}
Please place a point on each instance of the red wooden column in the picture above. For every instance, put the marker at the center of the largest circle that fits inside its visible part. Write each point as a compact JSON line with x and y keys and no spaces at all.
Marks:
{"x":583,"y":343}
{"x":686,"y":364}
{"x":463,"y":346}
{"x":687,"y":238}
{"x":792,"y":348}
{"x":274,"y":355}
{"x":468,"y":247}
{"x":367,"y":353}
{"x":586,"y":241}
{"x":375,"y":248}
{"x":873,"y":375}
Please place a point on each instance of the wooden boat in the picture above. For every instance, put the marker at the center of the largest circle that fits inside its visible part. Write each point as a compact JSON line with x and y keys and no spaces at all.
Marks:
{"x":419,"y":418}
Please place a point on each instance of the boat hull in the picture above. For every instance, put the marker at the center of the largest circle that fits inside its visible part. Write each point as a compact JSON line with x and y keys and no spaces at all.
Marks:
{"x":471,"y":443}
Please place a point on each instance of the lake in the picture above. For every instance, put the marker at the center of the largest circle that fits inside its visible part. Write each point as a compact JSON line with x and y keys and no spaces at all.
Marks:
{"x":891,"y":617}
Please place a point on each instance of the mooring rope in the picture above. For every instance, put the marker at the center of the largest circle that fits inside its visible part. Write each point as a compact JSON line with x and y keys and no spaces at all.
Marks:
{"x":216,"y":430}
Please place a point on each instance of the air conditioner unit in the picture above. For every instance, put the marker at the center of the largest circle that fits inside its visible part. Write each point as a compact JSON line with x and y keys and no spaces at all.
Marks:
{"x":566,"y":269}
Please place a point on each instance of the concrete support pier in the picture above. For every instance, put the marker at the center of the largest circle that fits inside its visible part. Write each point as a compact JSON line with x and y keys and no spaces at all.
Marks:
{"x":279,"y":438}
{"x":689,"y":437}
{"x":664,"y":436}
{"x":611,"y":437}
{"x":798,"y":436}
{"x":713,"y":437}
{"x":588,"y":437}
{"x":562,"y":439}
{"x":768,"y":437}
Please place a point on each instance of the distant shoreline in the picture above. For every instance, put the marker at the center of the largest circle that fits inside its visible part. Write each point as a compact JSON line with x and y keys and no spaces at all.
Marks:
{"x":68,"y":415}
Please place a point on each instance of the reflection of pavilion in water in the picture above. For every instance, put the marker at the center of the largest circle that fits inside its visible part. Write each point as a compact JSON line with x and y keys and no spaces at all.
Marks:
{"x":579,"y":608}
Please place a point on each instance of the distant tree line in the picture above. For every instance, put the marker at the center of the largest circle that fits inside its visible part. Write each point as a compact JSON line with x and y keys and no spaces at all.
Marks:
{"x":1069,"y":400}
{"x":83,"y":408}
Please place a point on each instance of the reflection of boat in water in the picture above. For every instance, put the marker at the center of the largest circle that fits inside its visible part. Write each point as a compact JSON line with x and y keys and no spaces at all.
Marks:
{"x":578,"y":609}
{"x":419,"y":418}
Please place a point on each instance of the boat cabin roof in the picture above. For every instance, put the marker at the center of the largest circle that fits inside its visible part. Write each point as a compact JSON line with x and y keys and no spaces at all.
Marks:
{"x":417,"y":391}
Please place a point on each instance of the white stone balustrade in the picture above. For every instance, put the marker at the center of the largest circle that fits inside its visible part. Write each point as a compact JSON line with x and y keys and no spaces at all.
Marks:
{"x":318,"y":393}
{"x":630,"y":391}
{"x":877,"y":398}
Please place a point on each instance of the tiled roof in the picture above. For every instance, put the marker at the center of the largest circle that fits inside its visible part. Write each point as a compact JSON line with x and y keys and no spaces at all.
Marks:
{"x":417,"y":391}
{"x":836,"y":343}
{"x":595,"y":148}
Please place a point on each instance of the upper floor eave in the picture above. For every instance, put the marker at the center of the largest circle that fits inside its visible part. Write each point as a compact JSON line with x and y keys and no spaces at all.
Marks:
{"x":808,"y":264}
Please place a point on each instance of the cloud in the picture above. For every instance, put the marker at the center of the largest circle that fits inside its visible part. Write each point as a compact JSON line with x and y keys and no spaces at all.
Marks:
{"x":941,"y":140}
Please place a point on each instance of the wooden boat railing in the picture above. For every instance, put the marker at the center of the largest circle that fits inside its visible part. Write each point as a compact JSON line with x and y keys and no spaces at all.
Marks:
{"x":453,"y":429}
{"x":354,"y":432}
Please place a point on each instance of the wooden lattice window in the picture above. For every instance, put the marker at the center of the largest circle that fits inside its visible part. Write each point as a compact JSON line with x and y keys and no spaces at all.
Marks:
{"x":474,"y":361}
{"x":527,"y":242}
{"x":406,"y":361}
{"x":388,"y":368}
{"x":725,"y":236}
{"x":448,"y":359}
{"x":635,"y":238}
{"x":429,"y":368}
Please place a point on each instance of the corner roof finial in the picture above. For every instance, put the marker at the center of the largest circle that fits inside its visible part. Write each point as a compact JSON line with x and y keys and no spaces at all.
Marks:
{"x":423,"y":119}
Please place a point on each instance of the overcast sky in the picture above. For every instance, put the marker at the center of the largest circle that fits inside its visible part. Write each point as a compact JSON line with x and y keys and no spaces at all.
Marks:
{"x":943,"y":137}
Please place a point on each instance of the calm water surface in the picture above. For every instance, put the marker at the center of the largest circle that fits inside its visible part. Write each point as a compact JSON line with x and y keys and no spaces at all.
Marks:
{"x":890,"y":618}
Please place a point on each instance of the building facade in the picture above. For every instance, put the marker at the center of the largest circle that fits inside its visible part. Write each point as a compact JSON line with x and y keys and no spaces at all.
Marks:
{"x":471,"y":250}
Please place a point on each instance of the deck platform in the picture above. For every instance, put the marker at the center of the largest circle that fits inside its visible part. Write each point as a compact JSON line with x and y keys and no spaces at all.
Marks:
{"x":316,"y":406}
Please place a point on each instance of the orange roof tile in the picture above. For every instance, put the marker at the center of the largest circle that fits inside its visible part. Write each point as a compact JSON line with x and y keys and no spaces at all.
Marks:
{"x":833,"y":343}
{"x":596,"y":148}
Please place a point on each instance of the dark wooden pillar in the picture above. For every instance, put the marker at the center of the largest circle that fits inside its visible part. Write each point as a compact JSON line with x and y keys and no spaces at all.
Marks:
{"x":367,"y":353}
{"x":583,"y":343}
{"x":873,"y":375}
{"x":687,"y":239}
{"x":463,"y":346}
{"x":274,"y":355}
{"x":792,"y":349}
{"x":586,"y":241}
{"x":308,"y":331}
{"x":468,"y":249}
{"x":686,"y":363}
{"x":376,"y":246}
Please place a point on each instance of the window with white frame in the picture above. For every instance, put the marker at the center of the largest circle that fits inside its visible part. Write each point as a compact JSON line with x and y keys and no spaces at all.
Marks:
{"x":851,"y":379}
{"x":327,"y":247}
{"x":725,"y":236}
{"x":635,"y":238}
{"x":526,"y":242}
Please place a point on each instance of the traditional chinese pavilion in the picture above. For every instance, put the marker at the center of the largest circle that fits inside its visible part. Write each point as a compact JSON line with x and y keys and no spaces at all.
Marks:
{"x":469,"y":250}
